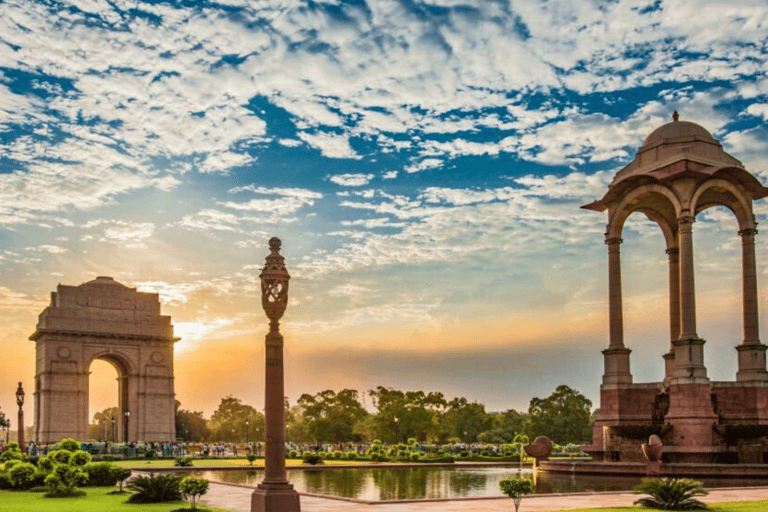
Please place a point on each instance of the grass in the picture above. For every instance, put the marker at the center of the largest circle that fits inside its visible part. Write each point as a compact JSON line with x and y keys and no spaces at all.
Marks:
{"x":204,"y":463}
{"x":734,"y":506}
{"x":97,"y":499}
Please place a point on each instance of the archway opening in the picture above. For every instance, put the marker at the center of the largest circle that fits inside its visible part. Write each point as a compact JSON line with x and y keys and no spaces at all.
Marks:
{"x":718,"y":274}
{"x":645,"y":296}
{"x":104,"y":400}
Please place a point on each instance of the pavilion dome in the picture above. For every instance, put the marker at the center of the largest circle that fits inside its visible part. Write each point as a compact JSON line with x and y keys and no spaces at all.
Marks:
{"x":675,"y":142}
{"x":678,"y":131}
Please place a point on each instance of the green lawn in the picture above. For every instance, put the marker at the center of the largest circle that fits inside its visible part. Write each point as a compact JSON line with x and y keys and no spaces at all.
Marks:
{"x":96,"y":500}
{"x":735,"y":506}
{"x":203,"y":463}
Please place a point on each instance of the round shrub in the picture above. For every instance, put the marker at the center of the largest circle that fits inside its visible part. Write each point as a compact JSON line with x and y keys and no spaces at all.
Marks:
{"x":69,"y":444}
{"x":60,"y":456}
{"x":351,"y":455}
{"x":312,"y":458}
{"x":414,"y":456}
{"x":63,"y":480}
{"x":293,"y":454}
{"x":22,"y":475}
{"x":5,"y":481}
{"x":81,"y":458}
{"x":101,"y":474}
{"x":337,"y":454}
{"x":464,"y":453}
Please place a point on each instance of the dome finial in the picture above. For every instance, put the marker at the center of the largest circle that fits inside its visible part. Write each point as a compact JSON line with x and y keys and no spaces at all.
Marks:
{"x":675,"y":116}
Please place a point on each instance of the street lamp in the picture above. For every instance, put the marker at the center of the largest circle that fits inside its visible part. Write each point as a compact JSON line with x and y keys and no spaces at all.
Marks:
{"x":274,"y":493}
{"x":20,"y":403}
{"x":114,"y":432}
{"x":7,"y":432}
{"x":397,"y":430}
{"x":247,"y":432}
{"x":127,"y":415}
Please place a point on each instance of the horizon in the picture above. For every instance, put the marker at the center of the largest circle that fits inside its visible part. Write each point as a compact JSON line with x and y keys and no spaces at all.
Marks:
{"x":423,"y":163}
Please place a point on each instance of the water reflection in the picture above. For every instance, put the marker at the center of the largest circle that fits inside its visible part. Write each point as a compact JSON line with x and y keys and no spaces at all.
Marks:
{"x":379,"y":484}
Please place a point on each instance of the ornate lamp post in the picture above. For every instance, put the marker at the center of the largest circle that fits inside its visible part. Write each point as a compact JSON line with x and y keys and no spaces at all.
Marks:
{"x":274,"y":493}
{"x":20,"y":403}
{"x":127,"y":416}
{"x":114,"y":432}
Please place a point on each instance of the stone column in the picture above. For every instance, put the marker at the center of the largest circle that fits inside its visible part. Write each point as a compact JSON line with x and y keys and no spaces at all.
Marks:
{"x":616,"y":356}
{"x":274,"y":493}
{"x":689,"y":348}
{"x":674,"y":310}
{"x":751,"y":351}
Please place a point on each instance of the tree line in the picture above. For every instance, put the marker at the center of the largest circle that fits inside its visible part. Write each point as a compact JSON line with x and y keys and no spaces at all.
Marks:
{"x":334,"y":417}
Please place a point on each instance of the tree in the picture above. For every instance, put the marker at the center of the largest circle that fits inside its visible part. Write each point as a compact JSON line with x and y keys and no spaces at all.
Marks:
{"x":468,"y":420}
{"x":297,"y":425}
{"x":564,"y":416}
{"x":190,"y":425}
{"x":235,"y":421}
{"x":101,"y":428}
{"x":192,"y":488}
{"x":504,"y":426}
{"x":515,"y":488}
{"x":332,"y":416}
{"x":407,"y":414}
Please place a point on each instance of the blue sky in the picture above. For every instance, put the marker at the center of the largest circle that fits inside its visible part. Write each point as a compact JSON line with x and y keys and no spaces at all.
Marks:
{"x":423,"y":162}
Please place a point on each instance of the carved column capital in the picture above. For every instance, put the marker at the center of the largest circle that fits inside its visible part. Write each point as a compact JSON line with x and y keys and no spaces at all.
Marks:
{"x":673,"y":251}
{"x":686,"y":219}
{"x":748,"y":231}
{"x":613,"y":240}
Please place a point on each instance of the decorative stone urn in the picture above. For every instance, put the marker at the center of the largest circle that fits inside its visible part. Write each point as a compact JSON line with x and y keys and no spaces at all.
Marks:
{"x":653,"y":450}
{"x":540,"y":449}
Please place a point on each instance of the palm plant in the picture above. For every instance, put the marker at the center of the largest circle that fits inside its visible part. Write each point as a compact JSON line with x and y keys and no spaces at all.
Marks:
{"x":671,"y":494}
{"x":155,"y":489}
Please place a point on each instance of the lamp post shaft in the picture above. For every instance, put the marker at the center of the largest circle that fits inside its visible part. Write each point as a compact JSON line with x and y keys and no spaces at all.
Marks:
{"x":20,"y":403}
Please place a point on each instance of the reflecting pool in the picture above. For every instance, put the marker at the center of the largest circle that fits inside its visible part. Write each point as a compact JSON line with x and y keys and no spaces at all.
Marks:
{"x":380,"y":484}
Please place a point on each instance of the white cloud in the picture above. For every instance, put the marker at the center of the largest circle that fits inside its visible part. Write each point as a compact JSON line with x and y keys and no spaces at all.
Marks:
{"x":330,"y":145}
{"x":425,"y":164}
{"x":351,"y":180}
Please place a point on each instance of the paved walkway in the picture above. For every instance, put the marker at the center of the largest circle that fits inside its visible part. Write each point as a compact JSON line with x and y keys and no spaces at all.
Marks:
{"x":238,"y":499}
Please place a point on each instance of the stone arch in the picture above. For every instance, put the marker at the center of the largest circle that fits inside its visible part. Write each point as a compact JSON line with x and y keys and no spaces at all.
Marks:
{"x":123,"y":366}
{"x":659,"y":203}
{"x":103,"y":319}
{"x":719,"y":192}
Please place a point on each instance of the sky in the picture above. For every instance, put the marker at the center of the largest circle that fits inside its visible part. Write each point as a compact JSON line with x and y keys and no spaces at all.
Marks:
{"x":423,"y":162}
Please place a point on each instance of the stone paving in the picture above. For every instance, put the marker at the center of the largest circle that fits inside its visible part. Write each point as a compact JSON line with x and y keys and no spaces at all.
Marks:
{"x":238,"y":499}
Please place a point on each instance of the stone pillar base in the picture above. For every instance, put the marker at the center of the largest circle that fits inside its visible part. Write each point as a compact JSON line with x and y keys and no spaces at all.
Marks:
{"x":275,"y":497}
{"x":616,"y":362}
{"x":653,"y":468}
{"x":689,"y":360}
{"x":751,"y":362}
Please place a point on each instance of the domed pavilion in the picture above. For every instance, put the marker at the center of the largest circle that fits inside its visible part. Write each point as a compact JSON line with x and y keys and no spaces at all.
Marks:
{"x":678,"y":172}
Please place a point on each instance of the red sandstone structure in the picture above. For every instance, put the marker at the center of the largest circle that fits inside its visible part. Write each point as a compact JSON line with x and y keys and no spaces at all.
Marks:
{"x":274,"y":493}
{"x":678,"y":172}
{"x":103,"y":319}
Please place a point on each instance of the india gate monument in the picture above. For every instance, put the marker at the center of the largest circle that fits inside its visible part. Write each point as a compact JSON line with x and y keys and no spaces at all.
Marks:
{"x":103,"y":319}
{"x":678,"y":172}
